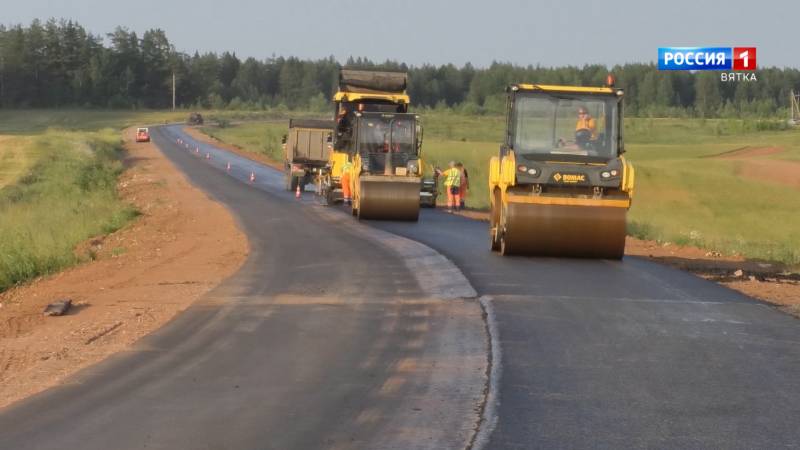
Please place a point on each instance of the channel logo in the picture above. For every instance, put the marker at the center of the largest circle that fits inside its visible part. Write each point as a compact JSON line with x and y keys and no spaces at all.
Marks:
{"x":707,"y":58}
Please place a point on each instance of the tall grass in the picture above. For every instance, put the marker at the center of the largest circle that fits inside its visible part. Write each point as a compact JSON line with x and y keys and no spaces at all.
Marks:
{"x":68,"y":196}
{"x":15,"y":158}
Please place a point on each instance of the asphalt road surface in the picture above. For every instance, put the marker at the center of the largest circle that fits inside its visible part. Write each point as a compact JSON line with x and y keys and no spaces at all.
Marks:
{"x":338,"y":335}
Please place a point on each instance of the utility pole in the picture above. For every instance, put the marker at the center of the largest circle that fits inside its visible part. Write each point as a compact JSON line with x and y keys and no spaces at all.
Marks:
{"x":173,"y":90}
{"x":2,"y":76}
{"x":2,"y":79}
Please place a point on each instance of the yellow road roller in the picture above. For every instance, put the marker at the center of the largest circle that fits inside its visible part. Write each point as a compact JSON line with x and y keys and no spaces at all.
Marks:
{"x":376,"y":162}
{"x":560,"y":185}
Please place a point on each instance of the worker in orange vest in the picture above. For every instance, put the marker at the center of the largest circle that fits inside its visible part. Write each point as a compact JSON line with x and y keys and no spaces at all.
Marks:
{"x":347,"y":167}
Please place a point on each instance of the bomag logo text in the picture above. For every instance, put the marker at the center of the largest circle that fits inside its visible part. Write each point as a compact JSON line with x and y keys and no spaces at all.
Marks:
{"x":569,"y":177}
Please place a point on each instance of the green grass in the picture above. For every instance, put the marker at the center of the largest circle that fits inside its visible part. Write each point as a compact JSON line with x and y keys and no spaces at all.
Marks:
{"x":27,"y":122}
{"x":257,"y":137}
{"x":684,"y":198}
{"x":681,"y":196}
{"x":58,"y":176}
{"x":15,"y":158}
{"x":68,"y":196}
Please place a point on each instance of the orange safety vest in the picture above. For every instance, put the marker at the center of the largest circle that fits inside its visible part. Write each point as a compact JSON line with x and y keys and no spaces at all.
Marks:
{"x":587,"y":123}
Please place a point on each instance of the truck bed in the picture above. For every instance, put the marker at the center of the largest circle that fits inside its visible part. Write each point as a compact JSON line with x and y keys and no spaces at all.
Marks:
{"x":307,"y":141}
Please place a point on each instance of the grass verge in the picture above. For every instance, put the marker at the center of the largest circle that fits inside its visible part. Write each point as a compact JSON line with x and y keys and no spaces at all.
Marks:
{"x":67,"y":195}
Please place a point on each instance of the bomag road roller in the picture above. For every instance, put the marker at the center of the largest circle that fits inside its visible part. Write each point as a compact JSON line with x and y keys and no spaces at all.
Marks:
{"x":560,"y":185}
{"x":376,"y":146}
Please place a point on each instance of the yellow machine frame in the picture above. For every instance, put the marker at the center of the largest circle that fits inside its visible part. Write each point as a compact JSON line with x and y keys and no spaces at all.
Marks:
{"x":503,"y":172}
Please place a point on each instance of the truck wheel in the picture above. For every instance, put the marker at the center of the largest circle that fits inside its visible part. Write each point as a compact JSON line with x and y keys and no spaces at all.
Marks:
{"x":287,"y":181}
{"x":329,"y":198}
{"x":307,"y":178}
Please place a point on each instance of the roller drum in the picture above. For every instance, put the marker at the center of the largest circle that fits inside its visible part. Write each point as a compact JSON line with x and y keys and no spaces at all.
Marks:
{"x":564,"y":230}
{"x":389,"y":198}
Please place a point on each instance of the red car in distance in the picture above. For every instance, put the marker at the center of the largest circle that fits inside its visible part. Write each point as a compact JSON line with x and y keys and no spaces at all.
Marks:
{"x":142,"y":135}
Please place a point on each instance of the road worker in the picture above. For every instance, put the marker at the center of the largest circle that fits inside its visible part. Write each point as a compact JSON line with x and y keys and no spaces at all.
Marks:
{"x":452,"y":184}
{"x":347,"y":167}
{"x":464,"y":184}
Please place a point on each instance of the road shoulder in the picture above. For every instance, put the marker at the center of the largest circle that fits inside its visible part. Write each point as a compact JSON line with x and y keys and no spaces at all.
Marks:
{"x":183,"y":245}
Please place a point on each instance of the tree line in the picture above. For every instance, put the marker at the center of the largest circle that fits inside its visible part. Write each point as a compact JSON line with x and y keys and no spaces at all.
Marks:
{"x":60,"y":64}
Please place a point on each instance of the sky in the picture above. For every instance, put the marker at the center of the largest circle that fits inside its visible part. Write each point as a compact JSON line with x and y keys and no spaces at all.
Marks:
{"x":417,"y":32}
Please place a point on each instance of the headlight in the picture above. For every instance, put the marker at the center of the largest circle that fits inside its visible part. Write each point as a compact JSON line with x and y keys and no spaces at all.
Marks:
{"x":532,"y":171}
{"x":413,"y":167}
{"x":522,"y":168}
{"x":609,"y":174}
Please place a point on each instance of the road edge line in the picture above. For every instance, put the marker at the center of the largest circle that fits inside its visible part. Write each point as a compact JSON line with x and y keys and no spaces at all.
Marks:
{"x":488,"y":412}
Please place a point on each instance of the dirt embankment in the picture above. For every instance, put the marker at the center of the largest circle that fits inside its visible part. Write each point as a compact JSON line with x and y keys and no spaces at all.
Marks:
{"x":753,"y":163}
{"x":183,"y":245}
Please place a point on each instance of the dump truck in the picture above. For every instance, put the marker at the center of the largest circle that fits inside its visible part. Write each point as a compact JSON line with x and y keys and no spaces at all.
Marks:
{"x":560,"y":185}
{"x":307,"y":147}
{"x":195,"y":118}
{"x":376,"y":146}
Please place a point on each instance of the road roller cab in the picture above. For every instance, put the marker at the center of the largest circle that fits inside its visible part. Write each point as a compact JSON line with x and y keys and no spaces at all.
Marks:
{"x":560,"y":185}
{"x":376,"y":149}
{"x":387,"y":168}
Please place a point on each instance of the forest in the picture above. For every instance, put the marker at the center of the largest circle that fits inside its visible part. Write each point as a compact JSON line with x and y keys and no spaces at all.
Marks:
{"x":60,"y":64}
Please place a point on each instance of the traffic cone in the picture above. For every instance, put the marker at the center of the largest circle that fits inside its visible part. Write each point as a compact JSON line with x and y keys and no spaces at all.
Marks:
{"x":196,"y":149}
{"x":297,"y":192}
{"x":228,"y":167}
{"x":252,"y":177}
{"x":208,"y":155}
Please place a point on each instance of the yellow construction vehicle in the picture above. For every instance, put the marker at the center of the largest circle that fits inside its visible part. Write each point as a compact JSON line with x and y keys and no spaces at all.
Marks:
{"x":376,"y":147}
{"x":560,"y":185}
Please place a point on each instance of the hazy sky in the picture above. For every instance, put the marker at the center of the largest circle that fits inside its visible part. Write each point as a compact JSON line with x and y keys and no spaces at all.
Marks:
{"x":434,"y":31}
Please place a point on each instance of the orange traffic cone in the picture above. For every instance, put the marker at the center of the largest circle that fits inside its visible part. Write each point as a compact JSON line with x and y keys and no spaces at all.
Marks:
{"x":208,"y":155}
{"x":297,"y":192}
{"x":252,"y":177}
{"x":228,"y":167}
